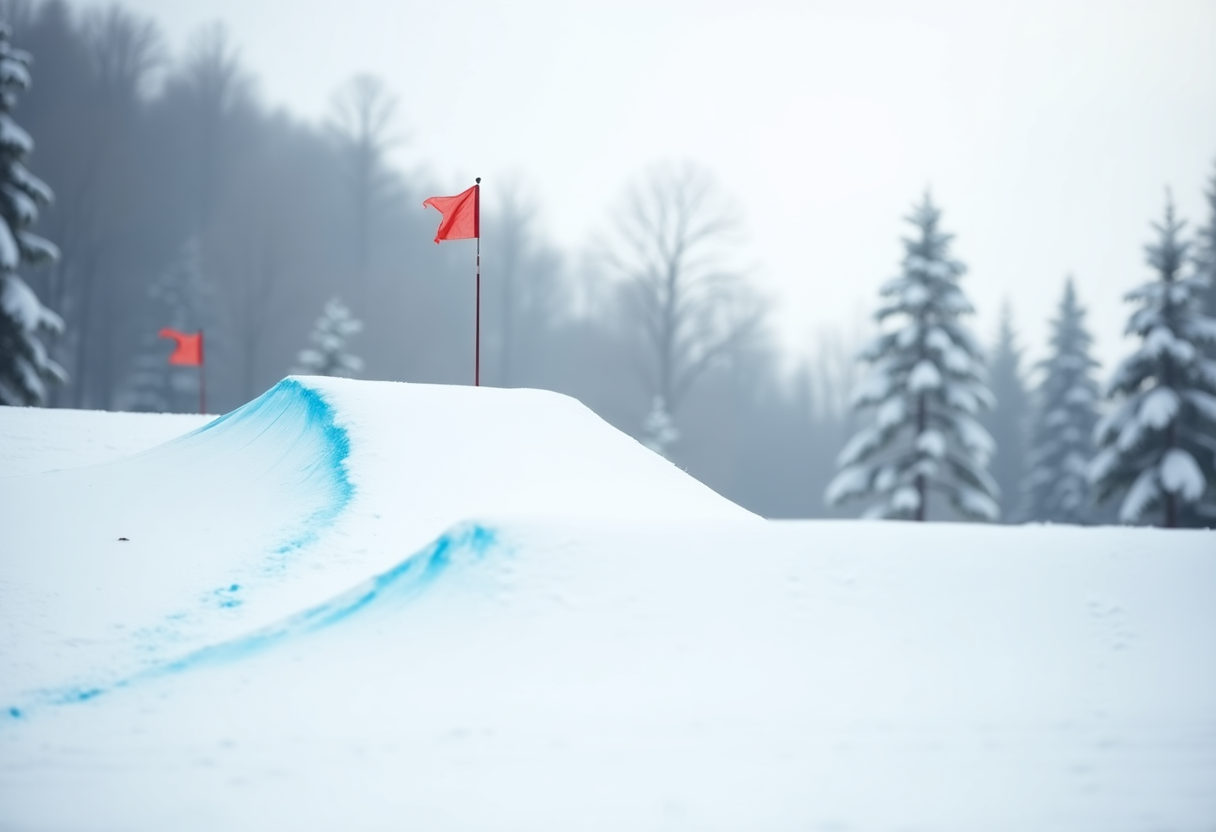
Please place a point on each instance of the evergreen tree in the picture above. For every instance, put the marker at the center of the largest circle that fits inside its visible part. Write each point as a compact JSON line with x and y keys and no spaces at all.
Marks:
{"x":1065,"y":411}
{"x":1006,"y":421}
{"x":25,"y":366}
{"x":1205,"y":256}
{"x":925,"y":388}
{"x":1158,"y":446}
{"x":329,"y":357}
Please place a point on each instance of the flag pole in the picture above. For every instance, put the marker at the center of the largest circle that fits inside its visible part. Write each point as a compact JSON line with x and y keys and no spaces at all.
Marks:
{"x":202,"y":375}
{"x":477,"y":323}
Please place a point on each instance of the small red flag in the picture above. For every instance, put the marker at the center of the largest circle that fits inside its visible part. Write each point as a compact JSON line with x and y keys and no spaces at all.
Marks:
{"x":188,"y":349}
{"x":461,"y":214}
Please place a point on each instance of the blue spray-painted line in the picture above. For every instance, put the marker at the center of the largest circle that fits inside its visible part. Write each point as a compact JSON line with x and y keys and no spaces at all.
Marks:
{"x":336,"y":451}
{"x":390,"y":589}
{"x":329,"y":463}
{"x":292,"y":395}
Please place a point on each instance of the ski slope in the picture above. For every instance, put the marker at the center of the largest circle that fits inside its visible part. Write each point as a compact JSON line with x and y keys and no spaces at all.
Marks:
{"x":367,"y":605}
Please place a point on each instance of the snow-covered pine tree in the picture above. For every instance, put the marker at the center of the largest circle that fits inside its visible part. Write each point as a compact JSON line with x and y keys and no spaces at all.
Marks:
{"x":1007,"y":420}
{"x":1158,"y":446}
{"x":1063,"y":415}
{"x":25,"y":366}
{"x":330,"y":335}
{"x":925,"y":387}
{"x":1205,"y":256}
{"x":659,"y":430}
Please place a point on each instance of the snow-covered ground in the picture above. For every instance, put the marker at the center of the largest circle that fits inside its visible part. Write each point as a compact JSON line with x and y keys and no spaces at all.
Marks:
{"x":365,"y":605}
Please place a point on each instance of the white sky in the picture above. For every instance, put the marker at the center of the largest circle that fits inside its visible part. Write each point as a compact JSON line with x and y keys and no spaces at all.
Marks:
{"x":1047,"y":131}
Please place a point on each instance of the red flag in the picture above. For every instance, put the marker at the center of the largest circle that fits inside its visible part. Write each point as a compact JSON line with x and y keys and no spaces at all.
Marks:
{"x":188,"y":349}
{"x":461,"y":214}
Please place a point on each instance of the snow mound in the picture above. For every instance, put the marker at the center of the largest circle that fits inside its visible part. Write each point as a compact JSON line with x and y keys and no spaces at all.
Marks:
{"x":130,"y":558}
{"x":270,"y":509}
{"x":442,"y":454}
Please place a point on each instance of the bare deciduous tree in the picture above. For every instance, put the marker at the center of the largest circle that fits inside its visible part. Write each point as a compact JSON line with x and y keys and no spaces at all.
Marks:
{"x":124,"y":50}
{"x":217,"y":83}
{"x":363,"y":114}
{"x":523,"y":291}
{"x":673,"y":243}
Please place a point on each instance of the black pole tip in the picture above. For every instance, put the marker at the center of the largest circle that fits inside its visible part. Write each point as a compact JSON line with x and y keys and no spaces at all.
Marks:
{"x":478,"y":180}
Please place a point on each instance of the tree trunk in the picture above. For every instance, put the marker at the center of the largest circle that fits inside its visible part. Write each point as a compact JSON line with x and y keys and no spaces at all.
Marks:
{"x":920,"y":478}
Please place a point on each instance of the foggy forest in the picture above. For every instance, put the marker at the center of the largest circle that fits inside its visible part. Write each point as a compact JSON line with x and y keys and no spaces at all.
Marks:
{"x":181,"y":200}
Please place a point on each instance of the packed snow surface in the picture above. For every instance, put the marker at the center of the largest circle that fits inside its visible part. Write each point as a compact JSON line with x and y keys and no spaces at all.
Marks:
{"x":367,"y":605}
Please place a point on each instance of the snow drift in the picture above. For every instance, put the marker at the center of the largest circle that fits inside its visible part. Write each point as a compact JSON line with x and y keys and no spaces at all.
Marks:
{"x":383,"y":605}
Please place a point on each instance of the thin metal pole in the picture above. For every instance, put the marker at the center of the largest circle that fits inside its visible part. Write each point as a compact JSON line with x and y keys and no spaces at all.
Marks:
{"x":477,"y":324}
{"x":202,"y":374}
{"x":477,"y":337}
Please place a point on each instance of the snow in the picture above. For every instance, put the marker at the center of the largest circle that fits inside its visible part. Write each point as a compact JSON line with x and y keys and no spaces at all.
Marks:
{"x":1161,"y":341}
{"x":962,"y":398}
{"x":890,"y":413}
{"x":924,"y":376}
{"x":855,"y":479}
{"x":13,"y":73}
{"x":9,"y":255}
{"x":1180,"y":474}
{"x":860,"y":446}
{"x":37,"y":249}
{"x":32,"y":185}
{"x":939,"y":341}
{"x":1158,"y":407}
{"x":932,"y":443}
{"x":957,"y":360}
{"x":23,"y":207}
{"x":975,"y":438}
{"x":364,"y":605}
{"x":40,"y":439}
{"x":13,"y":137}
{"x":1144,"y":493}
{"x":905,"y":499}
{"x":978,"y":504}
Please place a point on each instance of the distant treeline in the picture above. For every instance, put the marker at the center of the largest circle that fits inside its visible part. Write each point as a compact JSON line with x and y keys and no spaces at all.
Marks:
{"x":183,"y":201}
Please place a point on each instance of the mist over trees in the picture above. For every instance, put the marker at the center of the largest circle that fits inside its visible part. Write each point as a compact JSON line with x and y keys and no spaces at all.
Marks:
{"x":1063,"y":413}
{"x":183,"y":200}
{"x":1006,"y":420}
{"x":670,"y":243}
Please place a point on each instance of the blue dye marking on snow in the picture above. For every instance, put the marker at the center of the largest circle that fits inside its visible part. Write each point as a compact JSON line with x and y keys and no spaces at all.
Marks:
{"x":79,"y":694}
{"x":400,"y":584}
{"x":226,"y":597}
{"x":334,"y":453}
{"x":325,"y":473}
{"x":333,"y":448}
{"x":290,"y":395}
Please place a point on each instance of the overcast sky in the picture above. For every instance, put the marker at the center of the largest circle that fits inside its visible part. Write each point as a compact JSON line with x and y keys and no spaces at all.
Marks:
{"x":1048,"y":132}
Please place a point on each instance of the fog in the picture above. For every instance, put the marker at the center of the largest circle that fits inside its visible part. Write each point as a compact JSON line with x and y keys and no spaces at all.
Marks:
{"x":211,"y":170}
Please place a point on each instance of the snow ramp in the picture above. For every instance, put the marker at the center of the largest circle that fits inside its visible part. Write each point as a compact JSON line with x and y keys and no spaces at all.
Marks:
{"x":274,"y":507}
